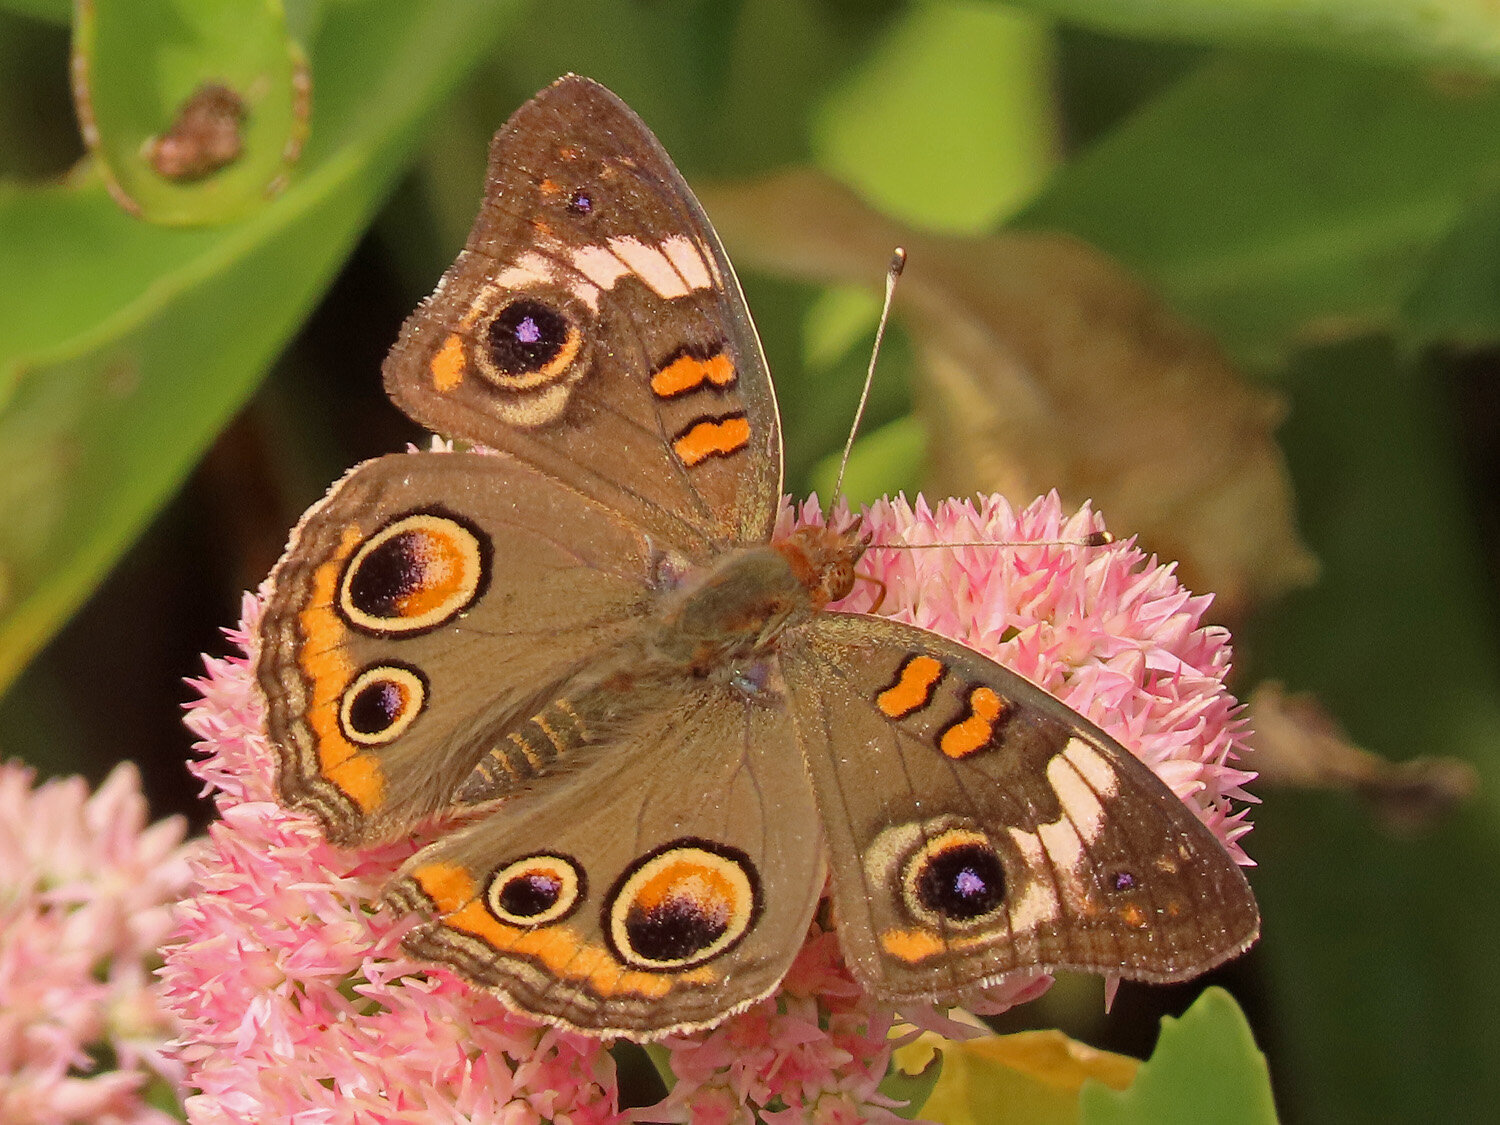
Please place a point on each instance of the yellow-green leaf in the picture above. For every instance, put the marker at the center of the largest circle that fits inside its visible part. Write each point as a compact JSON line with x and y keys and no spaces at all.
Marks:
{"x":195,"y":109}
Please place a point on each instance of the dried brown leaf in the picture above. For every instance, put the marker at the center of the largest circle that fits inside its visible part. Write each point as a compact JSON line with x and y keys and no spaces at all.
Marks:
{"x":1297,"y":743}
{"x":1046,"y":365}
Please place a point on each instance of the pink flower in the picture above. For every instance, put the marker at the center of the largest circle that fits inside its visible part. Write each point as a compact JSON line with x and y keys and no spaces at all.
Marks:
{"x":1107,"y":630}
{"x":86,"y":887}
{"x":295,"y":998}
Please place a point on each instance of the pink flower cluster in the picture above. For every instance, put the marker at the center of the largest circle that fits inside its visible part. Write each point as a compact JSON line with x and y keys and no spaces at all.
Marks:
{"x":295,"y":999}
{"x":1107,"y":630}
{"x":86,"y":888}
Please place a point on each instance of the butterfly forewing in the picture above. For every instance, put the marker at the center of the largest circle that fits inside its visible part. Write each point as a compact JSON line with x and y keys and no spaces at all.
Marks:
{"x":976,"y":826}
{"x":594,"y":327}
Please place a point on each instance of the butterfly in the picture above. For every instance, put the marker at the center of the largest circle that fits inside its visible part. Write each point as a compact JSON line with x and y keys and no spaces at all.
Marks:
{"x":652,"y":741}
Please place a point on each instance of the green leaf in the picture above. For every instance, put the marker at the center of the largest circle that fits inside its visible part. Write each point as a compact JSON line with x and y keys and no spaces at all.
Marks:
{"x":1457,"y":33}
{"x":1284,"y":200}
{"x":1206,"y":1067}
{"x":912,"y":1089}
{"x":52,"y":11}
{"x":125,"y":347}
{"x":883,"y":462}
{"x":946,"y":79}
{"x":1458,"y":298}
{"x":145,"y":70}
{"x":1380,"y":949}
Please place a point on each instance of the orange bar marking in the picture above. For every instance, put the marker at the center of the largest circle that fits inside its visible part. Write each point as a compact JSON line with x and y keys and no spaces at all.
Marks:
{"x":326,"y":664}
{"x":911,"y":946}
{"x":447,"y":884}
{"x":361,"y":780}
{"x":913,"y":688}
{"x":563,"y":950}
{"x":448,"y":365}
{"x":688,"y":373}
{"x":713,"y":437}
{"x":972,"y":734}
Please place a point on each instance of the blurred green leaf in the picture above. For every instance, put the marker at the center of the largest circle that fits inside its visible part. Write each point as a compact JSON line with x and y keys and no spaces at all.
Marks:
{"x":52,"y":11}
{"x":883,"y":462}
{"x":946,"y":123}
{"x":142,"y":68}
{"x":125,"y":347}
{"x":1380,"y":949}
{"x":1457,"y":33}
{"x":912,"y":1088}
{"x":1206,"y":1067}
{"x":1457,"y":300}
{"x":1283,"y":200}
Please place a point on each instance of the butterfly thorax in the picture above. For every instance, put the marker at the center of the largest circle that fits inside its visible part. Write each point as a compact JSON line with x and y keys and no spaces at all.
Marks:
{"x":736,"y":609}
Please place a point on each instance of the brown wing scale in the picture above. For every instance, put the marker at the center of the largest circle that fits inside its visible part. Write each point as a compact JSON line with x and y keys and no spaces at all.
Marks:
{"x":689,"y":904}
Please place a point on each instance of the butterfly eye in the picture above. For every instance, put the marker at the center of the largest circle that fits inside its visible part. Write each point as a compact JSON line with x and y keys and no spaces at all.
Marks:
{"x":536,"y":891}
{"x":681,"y":905}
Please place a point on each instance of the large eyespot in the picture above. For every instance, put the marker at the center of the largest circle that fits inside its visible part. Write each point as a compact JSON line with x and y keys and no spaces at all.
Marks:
{"x":530,"y":344}
{"x":381,"y":703}
{"x":954,"y":878}
{"x":417,"y":572}
{"x":535,"y":891}
{"x":681,"y":905}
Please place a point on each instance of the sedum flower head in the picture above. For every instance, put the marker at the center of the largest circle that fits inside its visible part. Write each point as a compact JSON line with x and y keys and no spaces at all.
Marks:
{"x":86,"y":887}
{"x":296,"y":1000}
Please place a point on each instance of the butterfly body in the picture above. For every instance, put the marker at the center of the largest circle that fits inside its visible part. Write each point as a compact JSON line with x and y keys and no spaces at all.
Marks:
{"x":657,"y":741}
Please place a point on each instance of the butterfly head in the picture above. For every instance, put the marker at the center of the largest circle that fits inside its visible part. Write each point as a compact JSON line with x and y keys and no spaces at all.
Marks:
{"x":824,"y":559}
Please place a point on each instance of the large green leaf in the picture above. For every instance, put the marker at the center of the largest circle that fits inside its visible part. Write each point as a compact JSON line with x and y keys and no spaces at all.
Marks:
{"x":1284,"y":199}
{"x":946,"y":123}
{"x":1455,"y":33}
{"x":124,"y":347}
{"x":1206,"y":1067}
{"x":140,"y":68}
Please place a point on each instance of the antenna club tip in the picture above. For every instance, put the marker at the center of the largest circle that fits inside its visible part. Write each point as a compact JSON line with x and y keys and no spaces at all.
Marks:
{"x":1098,"y":539}
{"x":898,"y":262}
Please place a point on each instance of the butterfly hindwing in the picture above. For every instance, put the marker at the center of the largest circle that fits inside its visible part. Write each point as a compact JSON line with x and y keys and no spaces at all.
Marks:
{"x":594,"y":327}
{"x":428,"y":602}
{"x":977,"y":826}
{"x":656,"y":888}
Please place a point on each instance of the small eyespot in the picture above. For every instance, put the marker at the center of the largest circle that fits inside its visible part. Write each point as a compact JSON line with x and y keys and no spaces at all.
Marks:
{"x":580,"y":202}
{"x":537,"y":890}
{"x":381,"y":704}
{"x":1123,"y":881}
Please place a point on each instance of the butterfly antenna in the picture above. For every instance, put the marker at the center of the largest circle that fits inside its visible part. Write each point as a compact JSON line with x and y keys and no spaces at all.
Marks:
{"x":892,"y":272}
